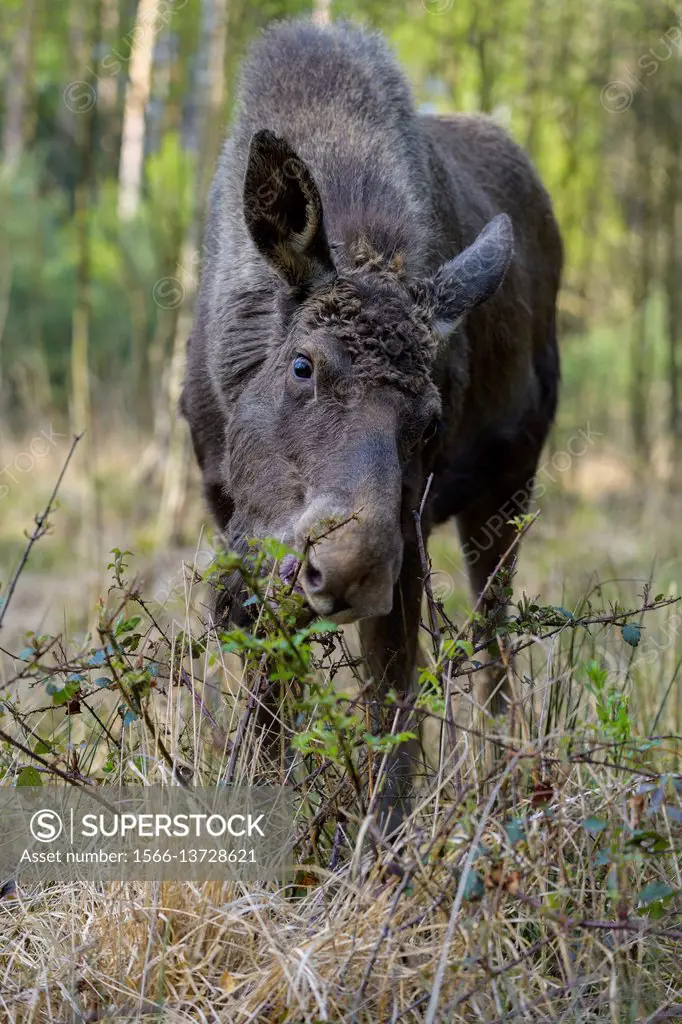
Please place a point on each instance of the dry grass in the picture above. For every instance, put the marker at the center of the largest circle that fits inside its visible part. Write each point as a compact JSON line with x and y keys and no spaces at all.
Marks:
{"x":498,"y":902}
{"x":544,"y":940}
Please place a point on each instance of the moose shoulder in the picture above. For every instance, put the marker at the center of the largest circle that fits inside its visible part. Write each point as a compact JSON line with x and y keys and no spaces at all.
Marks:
{"x":377,"y":305}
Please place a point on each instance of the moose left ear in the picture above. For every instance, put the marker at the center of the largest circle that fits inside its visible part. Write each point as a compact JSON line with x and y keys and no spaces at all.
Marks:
{"x":283,"y":212}
{"x":475,"y":275}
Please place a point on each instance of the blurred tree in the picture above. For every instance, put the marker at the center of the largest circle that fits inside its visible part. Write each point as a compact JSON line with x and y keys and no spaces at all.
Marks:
{"x":17,"y":89}
{"x":672,"y":221}
{"x":322,"y":11}
{"x":140,"y":43}
{"x":85,"y":34}
{"x":101,"y":203}
{"x":210,"y":86}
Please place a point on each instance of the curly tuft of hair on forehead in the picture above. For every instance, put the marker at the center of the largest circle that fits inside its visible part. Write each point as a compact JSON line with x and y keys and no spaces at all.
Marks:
{"x":384,"y":330}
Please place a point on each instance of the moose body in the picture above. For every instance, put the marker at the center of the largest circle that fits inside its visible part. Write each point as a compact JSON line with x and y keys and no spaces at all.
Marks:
{"x":376,"y":309}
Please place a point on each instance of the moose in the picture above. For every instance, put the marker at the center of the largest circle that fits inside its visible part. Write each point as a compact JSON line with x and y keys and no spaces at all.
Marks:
{"x":377,"y":312}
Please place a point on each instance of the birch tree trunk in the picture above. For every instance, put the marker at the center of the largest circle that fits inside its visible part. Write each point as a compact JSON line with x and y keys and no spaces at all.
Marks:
{"x":639,"y":343}
{"x":673,"y":282}
{"x":107,"y":85}
{"x":17,"y":90}
{"x":212,"y":51}
{"x":534,"y":62}
{"x":5,"y":290}
{"x":137,"y":95}
{"x":322,"y":12}
{"x":85,"y":26}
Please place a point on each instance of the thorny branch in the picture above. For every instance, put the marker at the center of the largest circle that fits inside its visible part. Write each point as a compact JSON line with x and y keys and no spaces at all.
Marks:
{"x":41,"y":528}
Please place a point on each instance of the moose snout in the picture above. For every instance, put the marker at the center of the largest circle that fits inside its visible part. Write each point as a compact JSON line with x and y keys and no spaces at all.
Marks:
{"x":350,"y":573}
{"x":344,"y":586}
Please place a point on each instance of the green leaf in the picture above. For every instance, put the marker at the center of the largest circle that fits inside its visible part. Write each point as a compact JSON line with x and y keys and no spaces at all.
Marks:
{"x":42,"y":747}
{"x":515,"y":831}
{"x":29,"y":777}
{"x":631,"y":633}
{"x":65,"y":695}
{"x":466,"y":646}
{"x":473,"y":886}
{"x":594,"y":825}
{"x":127,"y":625}
{"x":653,"y":892}
{"x":319,"y":627}
{"x":275,"y":549}
{"x":649,"y":841}
{"x":384,"y":744}
{"x":612,"y":880}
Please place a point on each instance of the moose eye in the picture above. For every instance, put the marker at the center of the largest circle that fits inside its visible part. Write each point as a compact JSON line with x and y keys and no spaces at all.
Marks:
{"x":431,"y":431}
{"x":302,"y":368}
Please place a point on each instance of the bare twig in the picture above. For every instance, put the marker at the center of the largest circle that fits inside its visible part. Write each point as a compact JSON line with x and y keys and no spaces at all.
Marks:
{"x":244,"y":723}
{"x":426,"y":570}
{"x":40,"y":530}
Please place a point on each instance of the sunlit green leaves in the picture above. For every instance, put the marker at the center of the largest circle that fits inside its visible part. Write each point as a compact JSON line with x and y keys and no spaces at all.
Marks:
{"x":515,"y":831}
{"x":653,"y":897}
{"x":631,"y":633}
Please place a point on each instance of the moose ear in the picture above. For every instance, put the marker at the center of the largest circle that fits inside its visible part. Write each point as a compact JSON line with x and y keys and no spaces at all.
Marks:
{"x":475,"y":275}
{"x":283,"y":212}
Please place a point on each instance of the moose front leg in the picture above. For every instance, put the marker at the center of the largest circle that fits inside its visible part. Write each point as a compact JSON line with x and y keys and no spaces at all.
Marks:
{"x":488,"y":538}
{"x":389,"y":645}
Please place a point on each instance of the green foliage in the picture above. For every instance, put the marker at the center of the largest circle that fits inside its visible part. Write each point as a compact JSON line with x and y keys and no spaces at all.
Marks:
{"x":612,"y":705}
{"x":652,"y":898}
{"x":538,"y":69}
{"x":581,"y":838}
{"x":631,"y":633}
{"x":594,"y":825}
{"x":430,"y":695}
{"x":515,"y":831}
{"x":29,"y":777}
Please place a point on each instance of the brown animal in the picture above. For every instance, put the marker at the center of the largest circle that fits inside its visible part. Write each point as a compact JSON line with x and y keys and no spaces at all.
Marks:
{"x":377,"y":305}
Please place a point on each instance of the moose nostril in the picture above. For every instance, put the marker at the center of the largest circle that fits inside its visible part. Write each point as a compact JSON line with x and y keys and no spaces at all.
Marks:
{"x":319,"y":588}
{"x":313,"y":576}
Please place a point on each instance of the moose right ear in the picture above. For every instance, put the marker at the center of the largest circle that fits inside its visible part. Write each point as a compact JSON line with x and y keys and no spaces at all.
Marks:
{"x":475,"y":275}
{"x":283,"y":212}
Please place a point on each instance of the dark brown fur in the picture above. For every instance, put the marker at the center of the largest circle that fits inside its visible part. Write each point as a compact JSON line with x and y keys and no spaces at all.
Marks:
{"x":333,"y":215}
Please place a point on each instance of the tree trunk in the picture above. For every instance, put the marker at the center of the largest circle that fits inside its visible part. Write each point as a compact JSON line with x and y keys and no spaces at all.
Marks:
{"x":212,"y":52}
{"x":107,"y":84}
{"x":17,"y":90}
{"x":5,"y":291}
{"x":209,"y":140}
{"x":639,"y":348}
{"x":322,"y":12}
{"x":484,"y":44}
{"x":85,"y":34}
{"x":169,"y":81}
{"x":137,"y":95}
{"x":533,"y":82}
{"x":673,"y":282}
